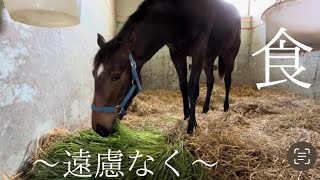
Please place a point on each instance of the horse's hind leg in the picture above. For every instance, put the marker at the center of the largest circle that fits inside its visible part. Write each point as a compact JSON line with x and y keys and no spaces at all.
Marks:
{"x":228,"y":61}
{"x":180,"y":63}
{"x":208,"y":69}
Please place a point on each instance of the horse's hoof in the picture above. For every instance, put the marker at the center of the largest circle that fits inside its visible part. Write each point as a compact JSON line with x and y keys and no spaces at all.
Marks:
{"x":186,"y":117}
{"x":226,"y":107}
{"x":205,"y":110}
{"x":191,"y":128}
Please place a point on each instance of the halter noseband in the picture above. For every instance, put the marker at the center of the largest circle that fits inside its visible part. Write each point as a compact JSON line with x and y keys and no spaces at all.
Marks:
{"x":119,"y":109}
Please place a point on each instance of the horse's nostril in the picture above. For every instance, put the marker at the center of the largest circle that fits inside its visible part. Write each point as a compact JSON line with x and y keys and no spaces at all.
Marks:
{"x":102,"y":131}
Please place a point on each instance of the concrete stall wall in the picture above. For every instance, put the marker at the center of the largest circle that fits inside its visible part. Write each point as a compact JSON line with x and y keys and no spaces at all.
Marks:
{"x":159,"y":72}
{"x":45,"y":78}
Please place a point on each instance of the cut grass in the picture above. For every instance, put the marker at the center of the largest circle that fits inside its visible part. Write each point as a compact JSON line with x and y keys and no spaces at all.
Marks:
{"x":127,"y":141}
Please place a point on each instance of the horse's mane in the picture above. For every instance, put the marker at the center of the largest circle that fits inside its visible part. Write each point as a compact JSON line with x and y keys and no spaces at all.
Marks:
{"x":113,"y":44}
{"x":142,"y":11}
{"x":138,"y":15}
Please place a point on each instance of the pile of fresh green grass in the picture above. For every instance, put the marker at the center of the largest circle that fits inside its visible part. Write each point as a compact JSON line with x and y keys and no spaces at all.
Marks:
{"x":127,"y":141}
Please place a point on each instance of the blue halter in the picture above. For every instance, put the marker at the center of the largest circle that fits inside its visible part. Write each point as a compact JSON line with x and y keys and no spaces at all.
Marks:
{"x":119,"y":109}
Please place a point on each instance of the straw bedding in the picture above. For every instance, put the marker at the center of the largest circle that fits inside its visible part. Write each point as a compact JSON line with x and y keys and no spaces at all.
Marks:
{"x":250,"y":141}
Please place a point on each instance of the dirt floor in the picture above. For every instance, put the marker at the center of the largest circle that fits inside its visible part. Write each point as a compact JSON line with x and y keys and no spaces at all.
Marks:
{"x":250,"y":141}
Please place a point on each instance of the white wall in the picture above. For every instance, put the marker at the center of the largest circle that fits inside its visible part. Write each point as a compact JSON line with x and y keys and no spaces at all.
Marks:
{"x":45,"y":78}
{"x":99,"y":16}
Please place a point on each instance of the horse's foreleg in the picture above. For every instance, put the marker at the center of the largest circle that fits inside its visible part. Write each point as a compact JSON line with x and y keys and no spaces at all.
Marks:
{"x":180,"y":64}
{"x":193,"y":91}
{"x":208,"y":69}
{"x":198,"y":58}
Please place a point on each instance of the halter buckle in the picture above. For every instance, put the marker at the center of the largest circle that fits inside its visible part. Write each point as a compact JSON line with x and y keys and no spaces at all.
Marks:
{"x":119,"y":110}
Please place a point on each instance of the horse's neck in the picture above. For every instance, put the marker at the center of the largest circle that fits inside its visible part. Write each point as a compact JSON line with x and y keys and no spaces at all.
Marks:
{"x":149,"y":39}
{"x":150,"y":34}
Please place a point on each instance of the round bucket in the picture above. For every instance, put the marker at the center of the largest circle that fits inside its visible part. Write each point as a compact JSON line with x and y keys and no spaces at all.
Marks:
{"x":299,"y":17}
{"x":45,"y":13}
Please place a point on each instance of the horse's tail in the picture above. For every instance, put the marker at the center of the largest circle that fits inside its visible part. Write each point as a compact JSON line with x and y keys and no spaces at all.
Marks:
{"x":221,"y":67}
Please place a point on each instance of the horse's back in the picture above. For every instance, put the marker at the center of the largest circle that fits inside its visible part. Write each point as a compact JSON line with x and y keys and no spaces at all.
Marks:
{"x":220,"y":20}
{"x":226,"y":29}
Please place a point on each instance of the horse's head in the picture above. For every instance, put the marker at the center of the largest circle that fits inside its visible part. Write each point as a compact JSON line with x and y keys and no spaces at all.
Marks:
{"x":116,"y":83}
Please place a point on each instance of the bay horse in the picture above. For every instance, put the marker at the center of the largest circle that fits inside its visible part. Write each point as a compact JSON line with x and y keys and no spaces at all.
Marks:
{"x":202,"y":29}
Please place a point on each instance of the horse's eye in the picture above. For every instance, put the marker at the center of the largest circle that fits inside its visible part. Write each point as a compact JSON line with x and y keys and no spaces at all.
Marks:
{"x":115,"y":77}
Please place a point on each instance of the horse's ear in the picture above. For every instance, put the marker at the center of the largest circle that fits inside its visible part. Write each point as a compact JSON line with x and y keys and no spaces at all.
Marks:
{"x":101,"y":41}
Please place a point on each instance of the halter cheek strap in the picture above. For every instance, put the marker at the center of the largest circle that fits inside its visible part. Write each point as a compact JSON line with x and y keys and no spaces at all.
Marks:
{"x":119,"y":109}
